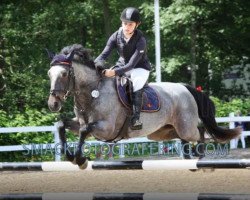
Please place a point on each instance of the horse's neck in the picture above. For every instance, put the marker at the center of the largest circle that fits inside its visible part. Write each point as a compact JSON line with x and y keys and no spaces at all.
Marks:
{"x":85,"y":77}
{"x":87,"y":80}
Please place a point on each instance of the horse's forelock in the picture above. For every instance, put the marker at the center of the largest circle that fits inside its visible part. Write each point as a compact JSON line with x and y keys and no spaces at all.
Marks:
{"x":83,"y":55}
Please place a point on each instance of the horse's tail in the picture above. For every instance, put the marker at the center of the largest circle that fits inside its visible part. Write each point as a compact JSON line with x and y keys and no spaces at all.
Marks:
{"x":206,"y":111}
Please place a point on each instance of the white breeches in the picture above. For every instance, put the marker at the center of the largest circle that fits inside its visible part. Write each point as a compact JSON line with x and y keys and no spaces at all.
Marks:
{"x":139,"y":77}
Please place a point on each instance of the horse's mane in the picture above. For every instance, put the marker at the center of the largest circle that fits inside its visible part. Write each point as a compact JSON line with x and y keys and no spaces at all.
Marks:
{"x":82,"y":55}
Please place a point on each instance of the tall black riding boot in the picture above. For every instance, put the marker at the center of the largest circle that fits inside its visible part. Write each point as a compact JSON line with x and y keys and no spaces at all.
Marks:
{"x":137,"y":104}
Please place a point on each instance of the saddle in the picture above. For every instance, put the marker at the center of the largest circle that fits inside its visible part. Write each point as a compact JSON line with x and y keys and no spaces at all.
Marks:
{"x":151,"y":100}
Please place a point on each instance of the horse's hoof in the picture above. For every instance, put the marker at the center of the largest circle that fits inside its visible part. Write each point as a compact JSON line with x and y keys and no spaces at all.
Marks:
{"x":83,"y":163}
{"x":193,"y":170}
{"x":71,"y":158}
{"x":88,"y":158}
{"x":201,"y":157}
{"x":187,"y":157}
{"x":74,"y":161}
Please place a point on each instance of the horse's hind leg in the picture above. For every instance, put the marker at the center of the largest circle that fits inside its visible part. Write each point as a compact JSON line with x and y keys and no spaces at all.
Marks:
{"x":165,"y":133}
{"x":200,"y":150}
{"x":197,"y":150}
{"x":186,"y":127}
{"x":186,"y":149}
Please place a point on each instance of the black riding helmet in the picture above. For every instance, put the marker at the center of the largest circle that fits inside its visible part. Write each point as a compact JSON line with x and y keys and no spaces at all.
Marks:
{"x":130,"y":14}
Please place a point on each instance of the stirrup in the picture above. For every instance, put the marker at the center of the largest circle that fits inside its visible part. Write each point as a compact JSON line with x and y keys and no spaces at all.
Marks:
{"x":136,"y":126}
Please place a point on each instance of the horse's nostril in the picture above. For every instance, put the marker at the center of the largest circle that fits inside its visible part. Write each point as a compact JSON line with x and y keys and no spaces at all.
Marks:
{"x":55,"y":104}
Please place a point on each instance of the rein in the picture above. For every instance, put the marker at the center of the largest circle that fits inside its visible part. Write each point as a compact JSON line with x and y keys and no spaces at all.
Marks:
{"x":71,"y":76}
{"x":71,"y":90}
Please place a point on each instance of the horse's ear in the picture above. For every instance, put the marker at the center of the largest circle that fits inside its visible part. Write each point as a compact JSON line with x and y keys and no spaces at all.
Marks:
{"x":86,"y":54}
{"x":70,"y":56}
{"x":51,"y":54}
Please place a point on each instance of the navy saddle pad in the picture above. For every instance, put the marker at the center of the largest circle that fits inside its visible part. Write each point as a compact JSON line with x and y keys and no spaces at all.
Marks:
{"x":151,"y":101}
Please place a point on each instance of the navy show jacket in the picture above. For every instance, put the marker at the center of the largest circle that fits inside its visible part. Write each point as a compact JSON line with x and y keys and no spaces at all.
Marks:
{"x":132,"y":54}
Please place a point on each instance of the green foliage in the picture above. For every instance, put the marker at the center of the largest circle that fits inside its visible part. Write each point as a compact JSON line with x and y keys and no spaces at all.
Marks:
{"x":30,"y":117}
{"x":26,"y":29}
{"x":216,"y":25}
{"x":224,"y":108}
{"x":220,"y":28}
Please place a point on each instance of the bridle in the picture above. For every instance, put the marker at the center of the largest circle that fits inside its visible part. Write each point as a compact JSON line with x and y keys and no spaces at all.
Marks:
{"x":71,"y":90}
{"x":71,"y":81}
{"x":68,"y":90}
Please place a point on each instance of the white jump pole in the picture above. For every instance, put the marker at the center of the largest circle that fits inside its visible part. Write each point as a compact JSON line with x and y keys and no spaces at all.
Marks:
{"x":157,"y":41}
{"x":129,"y":165}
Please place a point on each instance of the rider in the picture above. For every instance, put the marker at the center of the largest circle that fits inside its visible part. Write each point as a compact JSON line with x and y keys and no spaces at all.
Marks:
{"x":131,"y":46}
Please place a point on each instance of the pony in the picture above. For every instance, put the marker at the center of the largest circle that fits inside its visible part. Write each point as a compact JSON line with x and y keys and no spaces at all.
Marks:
{"x":100,"y":113}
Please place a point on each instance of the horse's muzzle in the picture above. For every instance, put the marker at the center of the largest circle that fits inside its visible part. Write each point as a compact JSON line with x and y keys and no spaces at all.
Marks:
{"x":54,"y":103}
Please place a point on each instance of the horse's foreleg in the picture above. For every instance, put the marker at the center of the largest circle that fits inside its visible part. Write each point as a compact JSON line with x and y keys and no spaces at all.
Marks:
{"x":72,"y":125}
{"x":80,"y":160}
{"x":62,"y":135}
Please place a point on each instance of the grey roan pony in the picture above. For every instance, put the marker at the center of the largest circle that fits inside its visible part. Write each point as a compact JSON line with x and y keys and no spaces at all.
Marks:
{"x":103,"y":117}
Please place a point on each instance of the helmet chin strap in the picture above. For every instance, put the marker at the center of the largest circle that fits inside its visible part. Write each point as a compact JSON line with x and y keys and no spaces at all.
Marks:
{"x":137,"y":24}
{"x":131,"y":32}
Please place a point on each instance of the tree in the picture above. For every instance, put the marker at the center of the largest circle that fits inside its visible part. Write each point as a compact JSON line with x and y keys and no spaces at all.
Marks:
{"x":207,"y":34}
{"x":200,"y":37}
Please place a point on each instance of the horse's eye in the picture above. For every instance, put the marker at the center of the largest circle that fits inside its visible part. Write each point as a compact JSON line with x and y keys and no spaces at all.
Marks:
{"x":64,"y":74}
{"x":49,"y":73}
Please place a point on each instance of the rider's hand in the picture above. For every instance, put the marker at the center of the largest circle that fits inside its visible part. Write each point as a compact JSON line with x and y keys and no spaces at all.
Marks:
{"x":99,"y":66}
{"x":109,"y":72}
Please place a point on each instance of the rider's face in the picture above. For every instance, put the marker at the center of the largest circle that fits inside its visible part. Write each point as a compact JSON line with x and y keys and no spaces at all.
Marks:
{"x":128,"y":27}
